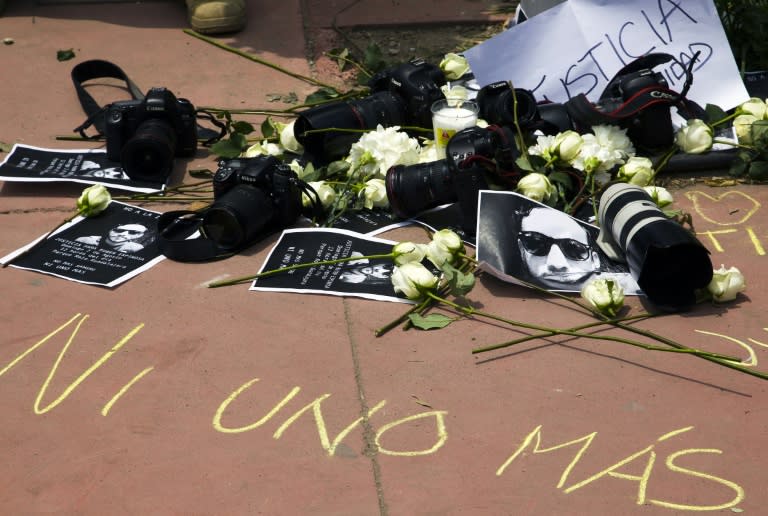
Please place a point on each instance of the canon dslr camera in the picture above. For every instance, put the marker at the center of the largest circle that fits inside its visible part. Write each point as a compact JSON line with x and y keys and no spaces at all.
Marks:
{"x":145,"y":135}
{"x":252,"y":198}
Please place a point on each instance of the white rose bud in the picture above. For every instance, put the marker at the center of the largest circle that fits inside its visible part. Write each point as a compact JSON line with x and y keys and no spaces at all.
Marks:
{"x":454,"y":94}
{"x":325,"y":193}
{"x":637,"y":171}
{"x":568,"y":145}
{"x":406,"y":252}
{"x":605,"y":295}
{"x":742,"y":124}
{"x":93,"y":200}
{"x":375,"y":194}
{"x":755,"y":107}
{"x":536,"y":186}
{"x":694,"y":138}
{"x":413,"y":280}
{"x":444,"y":247}
{"x":448,"y":239}
{"x":454,"y":66}
{"x":726,"y":284}
{"x":660,"y":195}
{"x":288,"y":139}
{"x":265,"y":148}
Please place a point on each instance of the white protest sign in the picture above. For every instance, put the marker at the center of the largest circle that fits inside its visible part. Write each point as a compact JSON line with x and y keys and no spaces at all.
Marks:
{"x":579,"y":45}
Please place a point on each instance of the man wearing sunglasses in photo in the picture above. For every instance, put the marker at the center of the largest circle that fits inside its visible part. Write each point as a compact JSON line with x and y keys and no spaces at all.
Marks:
{"x":520,"y":239}
{"x":555,"y":249}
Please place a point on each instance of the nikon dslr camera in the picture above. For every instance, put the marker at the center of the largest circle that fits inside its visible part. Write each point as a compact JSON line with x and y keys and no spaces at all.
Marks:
{"x":252,"y":198}
{"x":145,"y":135}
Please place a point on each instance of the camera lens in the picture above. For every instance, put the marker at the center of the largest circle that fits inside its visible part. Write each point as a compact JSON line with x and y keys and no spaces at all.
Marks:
{"x":415,"y":188}
{"x":383,"y":108}
{"x":148,"y":155}
{"x":665,"y":259}
{"x":238,"y":216}
{"x":497,"y":105}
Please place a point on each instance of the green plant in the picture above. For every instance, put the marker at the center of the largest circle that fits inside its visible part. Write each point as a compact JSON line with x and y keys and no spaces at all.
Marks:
{"x":746,"y":27}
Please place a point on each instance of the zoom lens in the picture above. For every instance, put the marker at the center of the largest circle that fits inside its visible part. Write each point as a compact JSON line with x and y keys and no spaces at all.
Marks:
{"x":415,"y":188}
{"x":665,"y":259}
{"x":238,"y":216}
{"x":314,"y":127}
{"x":148,"y":154}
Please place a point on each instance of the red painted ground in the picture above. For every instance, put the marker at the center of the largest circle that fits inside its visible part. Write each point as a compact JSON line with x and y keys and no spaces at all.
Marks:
{"x":164,"y":397}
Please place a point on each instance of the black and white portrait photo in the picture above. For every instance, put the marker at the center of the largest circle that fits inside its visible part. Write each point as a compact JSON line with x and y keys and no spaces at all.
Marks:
{"x":369,"y":278}
{"x":106,"y":249}
{"x":520,"y":239}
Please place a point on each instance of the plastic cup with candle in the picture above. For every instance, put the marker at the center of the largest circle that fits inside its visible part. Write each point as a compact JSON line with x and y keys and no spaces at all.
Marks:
{"x":450,"y":116}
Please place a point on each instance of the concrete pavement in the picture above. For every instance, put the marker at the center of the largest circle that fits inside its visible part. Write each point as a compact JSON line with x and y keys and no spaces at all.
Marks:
{"x":162,"y":396}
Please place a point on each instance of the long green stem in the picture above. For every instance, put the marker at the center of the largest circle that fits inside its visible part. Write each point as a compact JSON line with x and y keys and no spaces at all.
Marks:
{"x":271,"y":272}
{"x":256,"y":59}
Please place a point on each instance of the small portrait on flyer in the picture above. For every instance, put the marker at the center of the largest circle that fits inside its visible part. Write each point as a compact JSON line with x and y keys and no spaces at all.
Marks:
{"x":364,"y":277}
{"x":106,"y":249}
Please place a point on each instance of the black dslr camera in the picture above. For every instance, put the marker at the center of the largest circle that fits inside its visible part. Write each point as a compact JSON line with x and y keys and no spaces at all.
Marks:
{"x":145,"y":135}
{"x":252,"y":198}
{"x":470,"y":154}
{"x":399,"y":96}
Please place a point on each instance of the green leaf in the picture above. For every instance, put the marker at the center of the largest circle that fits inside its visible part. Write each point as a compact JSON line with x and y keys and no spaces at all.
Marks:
{"x":524,"y":164}
{"x":561,"y":178}
{"x":341,"y":55}
{"x":458,"y":282}
{"x":336,"y":168}
{"x":5,"y":147}
{"x":373,"y":59}
{"x":758,"y":170}
{"x":242,"y":127}
{"x":714,"y":113}
{"x":739,"y":165}
{"x":430,"y":322}
{"x":226,"y":148}
{"x":267,"y":129}
{"x":321,"y":95}
{"x":759,"y":133}
{"x":65,"y":55}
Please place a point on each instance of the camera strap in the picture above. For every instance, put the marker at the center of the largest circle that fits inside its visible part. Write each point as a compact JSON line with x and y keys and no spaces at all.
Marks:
{"x":96,"y":69}
{"x":99,"y":68}
{"x":612,"y":111}
{"x":175,"y":229}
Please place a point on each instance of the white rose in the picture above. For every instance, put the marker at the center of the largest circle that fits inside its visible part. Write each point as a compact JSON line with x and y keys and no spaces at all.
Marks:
{"x":375,"y":194}
{"x":637,"y":171}
{"x":288,"y":139}
{"x":568,"y":145}
{"x":694,"y":138}
{"x":605,"y":295}
{"x":454,"y":66}
{"x":325,"y":193}
{"x":444,"y":247}
{"x":742,"y":124}
{"x":536,"y":186}
{"x":660,"y":195}
{"x":408,"y":252}
{"x":448,"y":239}
{"x":300,"y":170}
{"x":413,"y":280}
{"x":265,"y":148}
{"x":93,"y":200}
{"x":726,"y":284}
{"x":454,"y":94}
{"x":755,"y":107}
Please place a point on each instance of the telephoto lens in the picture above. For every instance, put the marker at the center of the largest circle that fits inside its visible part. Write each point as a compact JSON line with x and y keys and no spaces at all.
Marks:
{"x":667,"y":261}
{"x":414,"y":188}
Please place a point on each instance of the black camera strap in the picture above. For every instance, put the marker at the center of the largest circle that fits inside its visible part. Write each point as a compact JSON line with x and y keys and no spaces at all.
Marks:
{"x":175,"y":229}
{"x":99,"y":68}
{"x":609,"y":111}
{"x":96,"y":69}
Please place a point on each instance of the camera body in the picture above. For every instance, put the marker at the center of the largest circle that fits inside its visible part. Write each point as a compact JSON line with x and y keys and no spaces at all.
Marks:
{"x":399,"y":96}
{"x":146,"y":134}
{"x":651,"y":125}
{"x":252,"y":197}
{"x":457,"y":178}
